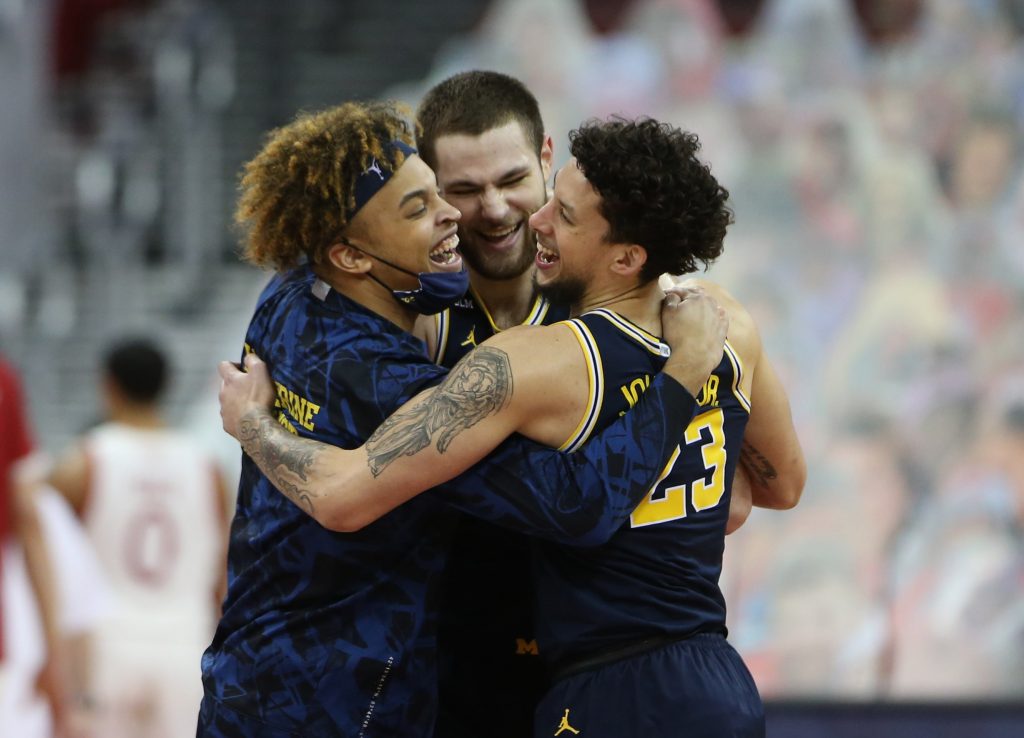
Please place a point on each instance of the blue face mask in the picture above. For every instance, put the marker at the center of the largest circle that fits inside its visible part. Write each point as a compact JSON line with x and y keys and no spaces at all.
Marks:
{"x":437,"y":290}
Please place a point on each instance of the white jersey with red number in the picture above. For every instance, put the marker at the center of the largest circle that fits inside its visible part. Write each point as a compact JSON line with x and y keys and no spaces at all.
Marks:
{"x":155,"y":516}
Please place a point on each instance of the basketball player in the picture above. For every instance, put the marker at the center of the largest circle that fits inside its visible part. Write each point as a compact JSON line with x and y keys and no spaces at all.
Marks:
{"x":332,"y":634}
{"x":482,"y":133}
{"x":634,"y":629}
{"x":154,"y":508}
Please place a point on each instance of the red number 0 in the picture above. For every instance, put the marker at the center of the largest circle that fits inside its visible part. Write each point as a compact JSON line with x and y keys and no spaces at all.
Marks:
{"x":151,"y":545}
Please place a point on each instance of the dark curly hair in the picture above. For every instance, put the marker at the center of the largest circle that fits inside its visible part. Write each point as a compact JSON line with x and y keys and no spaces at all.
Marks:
{"x":297,"y":193}
{"x":655,"y":192}
{"x":473,"y":103}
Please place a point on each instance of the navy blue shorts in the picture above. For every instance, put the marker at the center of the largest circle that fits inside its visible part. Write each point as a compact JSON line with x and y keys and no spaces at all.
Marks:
{"x":694,"y":688}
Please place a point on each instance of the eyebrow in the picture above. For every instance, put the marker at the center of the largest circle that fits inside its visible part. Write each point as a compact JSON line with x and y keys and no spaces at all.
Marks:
{"x":563,"y":203}
{"x":510,"y":174}
{"x":422,"y":194}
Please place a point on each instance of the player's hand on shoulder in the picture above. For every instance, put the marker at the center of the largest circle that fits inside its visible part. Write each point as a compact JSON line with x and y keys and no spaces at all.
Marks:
{"x":694,"y":326}
{"x":242,"y":391}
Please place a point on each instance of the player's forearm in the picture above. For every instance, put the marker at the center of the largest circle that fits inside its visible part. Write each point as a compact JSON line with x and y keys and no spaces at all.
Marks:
{"x":774,"y":486}
{"x":37,"y":560}
{"x":303,"y":470}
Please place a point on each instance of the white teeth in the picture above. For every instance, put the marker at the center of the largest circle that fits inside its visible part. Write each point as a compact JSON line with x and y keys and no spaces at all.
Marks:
{"x":448,"y":244}
{"x":545,"y":254}
{"x":445,"y":252}
{"x":501,"y":234}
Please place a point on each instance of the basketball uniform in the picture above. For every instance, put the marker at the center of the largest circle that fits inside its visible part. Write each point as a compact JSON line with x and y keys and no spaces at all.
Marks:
{"x":634,"y":630}
{"x":154,"y":514}
{"x":487,"y":650}
{"x":334,"y":634}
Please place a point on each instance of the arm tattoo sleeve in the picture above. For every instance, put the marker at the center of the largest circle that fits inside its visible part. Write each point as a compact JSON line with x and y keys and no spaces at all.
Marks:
{"x":478,"y":386}
{"x":758,"y":467}
{"x":282,"y":456}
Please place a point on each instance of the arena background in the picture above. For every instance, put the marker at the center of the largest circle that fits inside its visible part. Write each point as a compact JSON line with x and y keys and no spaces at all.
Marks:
{"x":873,"y":152}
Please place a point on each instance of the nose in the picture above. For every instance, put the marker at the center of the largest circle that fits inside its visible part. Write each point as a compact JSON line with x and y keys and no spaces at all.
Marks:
{"x":449,"y":212}
{"x":493,"y":204}
{"x":539,"y":221}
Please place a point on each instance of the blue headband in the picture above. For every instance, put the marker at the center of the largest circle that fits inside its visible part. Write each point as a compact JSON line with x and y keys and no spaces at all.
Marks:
{"x":375,"y":177}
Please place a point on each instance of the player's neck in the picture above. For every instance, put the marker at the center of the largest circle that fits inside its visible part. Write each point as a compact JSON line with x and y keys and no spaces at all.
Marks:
{"x":508,"y":301}
{"x":638,"y":303}
{"x":145,"y":417}
{"x":372,"y":296}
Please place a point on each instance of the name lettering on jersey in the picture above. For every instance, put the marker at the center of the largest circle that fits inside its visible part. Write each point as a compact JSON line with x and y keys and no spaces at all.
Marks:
{"x":633,"y":390}
{"x":709,"y":393}
{"x":282,"y":419}
{"x":471,"y":338}
{"x":302,"y":410}
{"x":527,"y":647}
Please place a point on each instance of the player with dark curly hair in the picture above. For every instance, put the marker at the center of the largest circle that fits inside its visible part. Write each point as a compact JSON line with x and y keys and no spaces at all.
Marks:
{"x":328,"y":628}
{"x":677,"y":212}
{"x":634,"y":630}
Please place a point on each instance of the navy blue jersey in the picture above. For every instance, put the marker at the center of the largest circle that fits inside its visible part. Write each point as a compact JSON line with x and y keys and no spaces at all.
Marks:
{"x":658,"y":575}
{"x":333,"y":634}
{"x":468,"y":323}
{"x":318,"y":625}
{"x":488,"y":657}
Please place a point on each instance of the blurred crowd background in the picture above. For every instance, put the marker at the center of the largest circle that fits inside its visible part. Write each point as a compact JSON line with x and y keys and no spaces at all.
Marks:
{"x":873,"y":152}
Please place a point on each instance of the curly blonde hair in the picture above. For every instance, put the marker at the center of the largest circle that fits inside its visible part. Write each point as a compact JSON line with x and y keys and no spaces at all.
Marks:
{"x":297,"y":193}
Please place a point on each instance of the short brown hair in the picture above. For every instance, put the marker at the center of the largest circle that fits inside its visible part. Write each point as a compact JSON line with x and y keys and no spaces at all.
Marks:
{"x":297,"y":193}
{"x":472,"y":103}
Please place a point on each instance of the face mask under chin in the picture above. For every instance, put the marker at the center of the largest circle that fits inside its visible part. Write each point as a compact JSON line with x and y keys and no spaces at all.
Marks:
{"x":437,"y":290}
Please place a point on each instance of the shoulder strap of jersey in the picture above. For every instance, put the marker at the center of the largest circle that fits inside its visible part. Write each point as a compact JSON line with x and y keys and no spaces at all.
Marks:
{"x":595,"y":383}
{"x":442,"y":324}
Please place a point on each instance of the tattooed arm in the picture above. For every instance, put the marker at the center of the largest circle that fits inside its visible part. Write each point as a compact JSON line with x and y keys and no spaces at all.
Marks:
{"x":579,"y":498}
{"x":422,"y":444}
{"x":770,"y":458}
{"x":771,"y":455}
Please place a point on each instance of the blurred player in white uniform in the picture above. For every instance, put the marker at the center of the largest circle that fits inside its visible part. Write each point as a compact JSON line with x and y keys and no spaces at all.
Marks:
{"x":154,"y":506}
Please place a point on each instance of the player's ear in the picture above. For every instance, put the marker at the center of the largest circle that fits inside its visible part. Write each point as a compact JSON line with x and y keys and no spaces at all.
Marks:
{"x":348,"y":258}
{"x":629,"y":260}
{"x":547,"y":149}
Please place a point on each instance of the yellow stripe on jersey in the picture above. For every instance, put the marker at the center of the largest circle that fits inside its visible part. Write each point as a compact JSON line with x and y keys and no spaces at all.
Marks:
{"x":539,"y":311}
{"x":737,"y":374}
{"x":442,"y":321}
{"x":595,"y":381}
{"x":651,"y":342}
{"x":534,"y":317}
{"x":483,"y":308}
